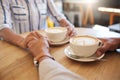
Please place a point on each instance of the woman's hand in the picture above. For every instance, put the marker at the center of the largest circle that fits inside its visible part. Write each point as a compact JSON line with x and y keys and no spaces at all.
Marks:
{"x":109,"y":44}
{"x":69,"y":26}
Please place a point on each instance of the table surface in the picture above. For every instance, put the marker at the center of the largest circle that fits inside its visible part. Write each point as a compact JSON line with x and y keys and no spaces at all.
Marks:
{"x":17,"y":64}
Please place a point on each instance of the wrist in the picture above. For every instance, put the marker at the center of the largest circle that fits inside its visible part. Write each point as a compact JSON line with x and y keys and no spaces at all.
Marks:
{"x":37,"y":62}
{"x":45,"y":57}
{"x":42,"y":57}
{"x":64,"y":22}
{"x":20,"y":42}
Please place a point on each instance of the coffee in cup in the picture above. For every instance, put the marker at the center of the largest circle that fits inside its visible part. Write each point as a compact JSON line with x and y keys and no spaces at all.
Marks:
{"x":56,"y":34}
{"x":84,"y":46}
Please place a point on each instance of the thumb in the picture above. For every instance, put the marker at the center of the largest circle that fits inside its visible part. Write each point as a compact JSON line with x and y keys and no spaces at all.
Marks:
{"x":99,"y":52}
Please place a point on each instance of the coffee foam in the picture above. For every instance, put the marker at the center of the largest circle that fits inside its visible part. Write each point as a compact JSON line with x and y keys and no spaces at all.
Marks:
{"x":84,"y":41}
{"x":55,"y":30}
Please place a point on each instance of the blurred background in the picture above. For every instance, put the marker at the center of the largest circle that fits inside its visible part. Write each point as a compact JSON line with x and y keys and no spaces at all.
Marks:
{"x":88,"y":13}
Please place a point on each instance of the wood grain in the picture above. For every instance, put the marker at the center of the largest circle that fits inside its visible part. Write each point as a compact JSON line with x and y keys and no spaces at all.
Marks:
{"x":16,"y":63}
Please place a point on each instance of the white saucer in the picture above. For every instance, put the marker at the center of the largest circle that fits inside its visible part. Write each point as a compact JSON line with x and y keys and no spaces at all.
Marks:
{"x":68,"y":51}
{"x":66,"y":40}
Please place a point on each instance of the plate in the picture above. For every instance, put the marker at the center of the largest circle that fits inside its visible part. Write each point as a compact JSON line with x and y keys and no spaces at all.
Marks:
{"x":66,"y":40}
{"x":70,"y":54}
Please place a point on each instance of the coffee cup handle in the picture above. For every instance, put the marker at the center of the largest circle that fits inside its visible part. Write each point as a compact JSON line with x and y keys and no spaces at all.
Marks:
{"x":100,"y":43}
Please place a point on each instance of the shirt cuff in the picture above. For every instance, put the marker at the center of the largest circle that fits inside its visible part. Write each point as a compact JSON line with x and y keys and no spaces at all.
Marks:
{"x":49,"y":63}
{"x":5,"y":26}
{"x":60,"y":17}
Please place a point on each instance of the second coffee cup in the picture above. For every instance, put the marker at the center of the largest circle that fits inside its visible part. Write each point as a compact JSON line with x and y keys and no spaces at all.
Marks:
{"x":56,"y":34}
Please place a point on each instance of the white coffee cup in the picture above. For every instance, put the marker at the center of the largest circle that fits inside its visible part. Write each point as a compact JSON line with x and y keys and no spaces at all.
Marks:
{"x":84,"y":46}
{"x":56,"y":34}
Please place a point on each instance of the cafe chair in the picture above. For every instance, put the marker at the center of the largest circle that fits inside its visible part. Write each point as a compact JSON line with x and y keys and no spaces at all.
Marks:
{"x":112,"y":12}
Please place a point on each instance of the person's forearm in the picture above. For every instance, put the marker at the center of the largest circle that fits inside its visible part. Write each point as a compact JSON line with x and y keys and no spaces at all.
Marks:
{"x":52,"y":70}
{"x":10,"y":36}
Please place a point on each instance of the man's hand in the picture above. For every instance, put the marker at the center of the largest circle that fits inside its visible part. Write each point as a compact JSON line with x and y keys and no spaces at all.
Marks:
{"x":109,"y":44}
{"x":69,"y":26}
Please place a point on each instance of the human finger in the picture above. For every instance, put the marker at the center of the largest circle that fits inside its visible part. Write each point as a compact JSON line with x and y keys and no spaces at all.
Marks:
{"x":105,"y":48}
{"x":29,"y":39}
{"x":34,"y":34}
{"x":98,"y":52}
{"x":72,"y":33}
{"x":69,"y":31}
{"x":31,"y":43}
{"x":38,"y":34}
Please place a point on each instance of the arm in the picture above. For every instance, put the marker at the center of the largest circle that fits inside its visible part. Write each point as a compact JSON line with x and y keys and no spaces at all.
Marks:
{"x":49,"y":69}
{"x":6,"y":25}
{"x":60,"y":18}
{"x":10,"y":36}
{"x":52,"y":70}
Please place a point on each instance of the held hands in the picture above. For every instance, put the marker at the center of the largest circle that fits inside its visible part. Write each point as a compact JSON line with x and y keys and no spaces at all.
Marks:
{"x":109,"y":44}
{"x":38,"y":46}
{"x":69,"y":26}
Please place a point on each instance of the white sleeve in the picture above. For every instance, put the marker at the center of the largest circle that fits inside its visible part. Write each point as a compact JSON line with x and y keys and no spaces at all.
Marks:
{"x":53,"y":10}
{"x":5,"y":14}
{"x":52,"y":70}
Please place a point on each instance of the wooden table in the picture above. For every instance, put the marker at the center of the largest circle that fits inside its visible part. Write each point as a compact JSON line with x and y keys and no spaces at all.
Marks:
{"x":17,"y":64}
